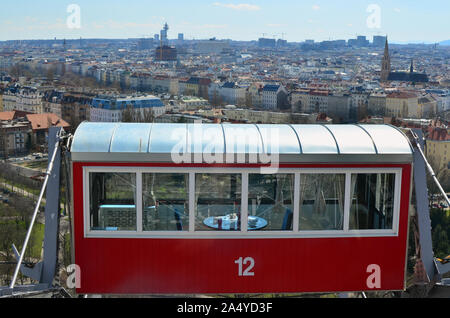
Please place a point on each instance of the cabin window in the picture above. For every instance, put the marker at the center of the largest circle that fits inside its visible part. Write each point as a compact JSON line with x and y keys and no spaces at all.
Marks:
{"x":372,"y":201}
{"x":322,"y":199}
{"x":270,"y":202}
{"x":165,"y":202}
{"x":218,"y":202}
{"x":333,"y":202}
{"x":112,"y":201}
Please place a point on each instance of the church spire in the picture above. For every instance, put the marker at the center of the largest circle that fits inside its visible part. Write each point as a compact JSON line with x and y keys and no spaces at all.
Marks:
{"x":411,"y":68}
{"x":386,"y":47}
{"x":385,"y":63}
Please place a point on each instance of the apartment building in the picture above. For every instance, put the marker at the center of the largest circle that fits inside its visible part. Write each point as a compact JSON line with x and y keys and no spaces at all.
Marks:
{"x":110,"y":109}
{"x":27,"y":99}
{"x":274,"y":97}
{"x":402,"y":104}
{"x":437,"y":148}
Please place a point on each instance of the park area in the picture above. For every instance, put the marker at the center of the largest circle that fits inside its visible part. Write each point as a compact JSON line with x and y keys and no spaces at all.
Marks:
{"x":14,"y":221}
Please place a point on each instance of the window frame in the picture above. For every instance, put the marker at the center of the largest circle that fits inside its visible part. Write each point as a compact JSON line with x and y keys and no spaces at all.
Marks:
{"x":396,"y":211}
{"x":331,"y":233}
{"x":86,"y":200}
{"x":192,"y":199}
{"x":140,"y":210}
{"x":243,"y":233}
{"x":295,"y":203}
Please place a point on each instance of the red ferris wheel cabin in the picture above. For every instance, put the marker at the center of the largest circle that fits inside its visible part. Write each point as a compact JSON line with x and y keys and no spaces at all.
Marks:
{"x":222,"y":208}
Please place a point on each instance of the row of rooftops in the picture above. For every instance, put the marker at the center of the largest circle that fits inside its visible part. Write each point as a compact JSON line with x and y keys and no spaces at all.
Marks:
{"x":22,"y":90}
{"x":438,"y":130}
{"x":38,"y":122}
{"x":196,"y":81}
{"x":123,"y":101}
{"x":104,"y":59}
{"x":270,"y":87}
{"x":423,"y":96}
{"x":438,"y":134}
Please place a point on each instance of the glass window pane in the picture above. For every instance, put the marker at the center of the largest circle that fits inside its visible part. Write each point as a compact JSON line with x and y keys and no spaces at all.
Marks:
{"x":165,"y":199}
{"x":112,"y":201}
{"x":217,"y":202}
{"x":270,"y":202}
{"x":372,"y":205}
{"x":322,"y":201}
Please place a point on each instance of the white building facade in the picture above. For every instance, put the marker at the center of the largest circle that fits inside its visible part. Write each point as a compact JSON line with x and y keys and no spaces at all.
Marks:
{"x":111,"y":110}
{"x":25,"y":99}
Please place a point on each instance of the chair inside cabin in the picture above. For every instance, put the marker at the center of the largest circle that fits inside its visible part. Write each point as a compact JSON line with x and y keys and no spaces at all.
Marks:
{"x":178,"y":220}
{"x":118,"y":217}
{"x":287,"y":220}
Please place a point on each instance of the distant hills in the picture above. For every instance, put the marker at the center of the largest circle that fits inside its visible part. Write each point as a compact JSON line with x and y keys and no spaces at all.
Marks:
{"x":445,"y":43}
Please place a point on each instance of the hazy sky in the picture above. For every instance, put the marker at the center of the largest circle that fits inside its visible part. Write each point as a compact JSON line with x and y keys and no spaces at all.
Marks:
{"x":402,"y":20}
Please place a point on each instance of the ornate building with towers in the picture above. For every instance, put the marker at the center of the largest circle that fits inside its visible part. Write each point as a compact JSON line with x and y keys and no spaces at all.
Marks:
{"x":387,"y":75}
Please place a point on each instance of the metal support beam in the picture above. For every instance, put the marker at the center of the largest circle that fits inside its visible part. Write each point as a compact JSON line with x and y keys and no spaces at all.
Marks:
{"x":442,"y":268}
{"x":43,"y":272}
{"x":51,"y":219}
{"x":422,"y":207}
{"x":34,"y":272}
{"x":52,"y":210}
{"x":8,"y":292}
{"x":439,"y":268}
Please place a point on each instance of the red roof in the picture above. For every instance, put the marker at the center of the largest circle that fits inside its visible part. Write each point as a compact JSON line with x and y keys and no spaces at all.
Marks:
{"x":7,"y":115}
{"x":44,"y":121}
{"x":438,"y":134}
{"x":14,"y":114}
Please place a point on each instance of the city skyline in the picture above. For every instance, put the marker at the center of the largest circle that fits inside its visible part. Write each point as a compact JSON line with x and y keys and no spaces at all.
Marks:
{"x":402,"y":21}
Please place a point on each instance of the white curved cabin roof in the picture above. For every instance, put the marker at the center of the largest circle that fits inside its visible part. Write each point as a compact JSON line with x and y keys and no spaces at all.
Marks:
{"x":159,"y":142}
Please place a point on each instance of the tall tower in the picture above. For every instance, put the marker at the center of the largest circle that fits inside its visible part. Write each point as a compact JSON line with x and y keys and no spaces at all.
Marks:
{"x":164,"y":32}
{"x":385,"y":64}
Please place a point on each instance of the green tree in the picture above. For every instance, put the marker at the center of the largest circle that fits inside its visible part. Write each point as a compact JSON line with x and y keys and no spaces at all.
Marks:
{"x":128,"y":114}
{"x":440,"y":231}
